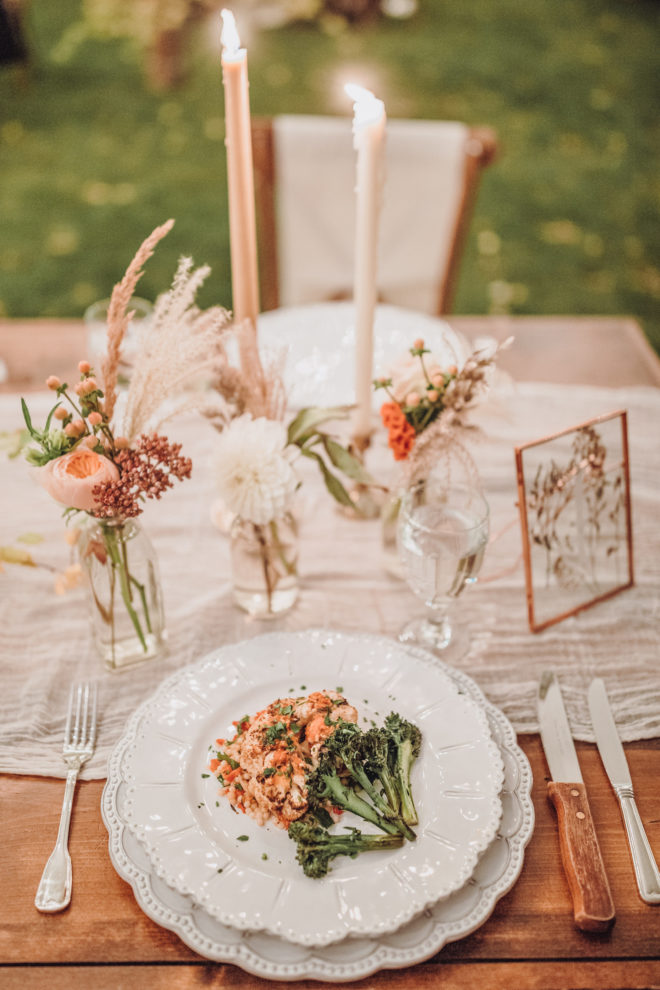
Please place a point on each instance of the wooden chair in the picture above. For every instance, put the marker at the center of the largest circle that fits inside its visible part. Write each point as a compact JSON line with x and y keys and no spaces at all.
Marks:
{"x":304,"y":187}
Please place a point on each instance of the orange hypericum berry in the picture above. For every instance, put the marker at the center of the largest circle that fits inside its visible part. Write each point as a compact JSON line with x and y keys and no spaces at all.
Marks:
{"x":419,"y":344}
{"x":84,"y":367}
{"x":433,"y":396}
{"x":60,"y":413}
{"x":412,"y":399}
{"x":95,"y":418}
{"x":53,"y":382}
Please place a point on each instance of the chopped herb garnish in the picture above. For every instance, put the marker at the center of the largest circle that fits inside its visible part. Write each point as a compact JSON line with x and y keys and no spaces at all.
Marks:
{"x":217,"y":804}
{"x":206,"y":775}
{"x":238,"y":787}
{"x":227,"y":759}
{"x":270,"y":771}
{"x":264,"y":855}
{"x":274,"y":732}
{"x":286,"y":709}
{"x":303,"y":687}
{"x":339,"y":690}
{"x":220,"y":870}
{"x":242,"y":838}
{"x":201,"y":804}
{"x":327,"y":720}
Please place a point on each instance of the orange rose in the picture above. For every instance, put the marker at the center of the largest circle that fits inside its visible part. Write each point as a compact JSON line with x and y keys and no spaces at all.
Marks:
{"x":71,"y":478}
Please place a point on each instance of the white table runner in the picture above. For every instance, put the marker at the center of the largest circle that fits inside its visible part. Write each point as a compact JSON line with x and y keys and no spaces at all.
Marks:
{"x":45,"y":641}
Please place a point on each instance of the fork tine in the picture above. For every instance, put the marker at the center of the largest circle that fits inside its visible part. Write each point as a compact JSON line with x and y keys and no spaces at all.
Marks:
{"x":84,"y":730}
{"x":69,"y":716}
{"x":92,"y":723}
{"x":76,"y":726}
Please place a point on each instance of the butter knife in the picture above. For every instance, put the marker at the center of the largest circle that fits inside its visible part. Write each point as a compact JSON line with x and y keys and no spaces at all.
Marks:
{"x":614,"y":760}
{"x":593,"y":909}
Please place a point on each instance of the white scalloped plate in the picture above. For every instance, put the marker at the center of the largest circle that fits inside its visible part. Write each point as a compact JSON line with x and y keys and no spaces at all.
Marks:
{"x":256,"y":885}
{"x":352,"y":959}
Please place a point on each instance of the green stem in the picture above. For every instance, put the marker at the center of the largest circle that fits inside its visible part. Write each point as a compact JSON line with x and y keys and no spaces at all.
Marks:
{"x":121,"y":567}
{"x":265,"y":563}
{"x":289,"y":566}
{"x":143,"y":597}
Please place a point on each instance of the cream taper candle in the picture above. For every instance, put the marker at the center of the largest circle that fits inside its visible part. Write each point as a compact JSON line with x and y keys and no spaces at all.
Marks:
{"x":369,"y":141}
{"x":240,"y":175}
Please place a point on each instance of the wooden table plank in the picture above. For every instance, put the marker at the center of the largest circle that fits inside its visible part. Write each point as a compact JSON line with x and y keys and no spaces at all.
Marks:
{"x":610,"y":975}
{"x":593,"y":350}
{"x":533,"y":921}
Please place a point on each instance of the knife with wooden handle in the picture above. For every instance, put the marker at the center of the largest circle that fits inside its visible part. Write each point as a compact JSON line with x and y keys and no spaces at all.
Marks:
{"x":616,"y":766}
{"x":593,"y":909}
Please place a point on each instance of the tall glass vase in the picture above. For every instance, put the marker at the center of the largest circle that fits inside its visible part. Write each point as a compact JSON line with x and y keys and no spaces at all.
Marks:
{"x":124,"y":592}
{"x":264,"y":563}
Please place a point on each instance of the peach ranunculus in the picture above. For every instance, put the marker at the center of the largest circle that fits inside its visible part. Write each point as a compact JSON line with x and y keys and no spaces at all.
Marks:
{"x":70,"y":479}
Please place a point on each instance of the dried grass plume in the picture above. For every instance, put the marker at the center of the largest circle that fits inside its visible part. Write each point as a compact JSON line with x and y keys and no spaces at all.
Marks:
{"x":119,"y":316}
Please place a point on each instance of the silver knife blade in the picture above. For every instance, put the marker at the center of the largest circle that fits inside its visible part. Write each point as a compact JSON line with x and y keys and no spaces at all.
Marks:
{"x":609,"y":744}
{"x":556,"y":733}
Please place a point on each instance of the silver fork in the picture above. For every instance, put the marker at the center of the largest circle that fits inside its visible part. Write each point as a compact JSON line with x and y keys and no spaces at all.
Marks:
{"x":54,"y":891}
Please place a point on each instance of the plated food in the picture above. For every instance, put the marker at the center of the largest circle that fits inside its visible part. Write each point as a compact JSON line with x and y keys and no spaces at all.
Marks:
{"x":300,"y":762}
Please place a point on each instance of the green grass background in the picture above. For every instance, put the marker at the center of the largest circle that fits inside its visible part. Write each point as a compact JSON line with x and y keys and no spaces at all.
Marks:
{"x":566,"y":222}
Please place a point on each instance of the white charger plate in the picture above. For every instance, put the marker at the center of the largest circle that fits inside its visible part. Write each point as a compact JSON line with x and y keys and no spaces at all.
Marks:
{"x":319,"y":340}
{"x":352,"y":959}
{"x":194,"y":845}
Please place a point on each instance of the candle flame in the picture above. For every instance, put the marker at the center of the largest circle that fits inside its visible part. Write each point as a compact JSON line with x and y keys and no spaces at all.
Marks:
{"x":229,"y":37}
{"x":366,"y":106}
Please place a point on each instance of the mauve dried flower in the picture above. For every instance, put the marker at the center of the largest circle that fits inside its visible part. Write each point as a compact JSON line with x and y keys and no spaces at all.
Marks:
{"x":146,"y":471}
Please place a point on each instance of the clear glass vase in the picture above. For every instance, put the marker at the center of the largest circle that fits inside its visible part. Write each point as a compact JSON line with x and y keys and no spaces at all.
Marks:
{"x":264,"y":562}
{"x":124,"y":592}
{"x":389,"y":517}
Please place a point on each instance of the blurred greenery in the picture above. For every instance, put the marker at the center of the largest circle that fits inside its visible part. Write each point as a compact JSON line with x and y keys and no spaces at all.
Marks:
{"x":566,"y":222}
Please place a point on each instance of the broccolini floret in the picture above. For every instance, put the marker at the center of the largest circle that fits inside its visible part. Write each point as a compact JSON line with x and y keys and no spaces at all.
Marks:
{"x":325,"y":785}
{"x":316,"y":846}
{"x":365,"y":756}
{"x":405,"y":741}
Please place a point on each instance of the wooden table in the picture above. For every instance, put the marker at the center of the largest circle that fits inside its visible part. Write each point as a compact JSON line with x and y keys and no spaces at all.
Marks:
{"x":530,"y":942}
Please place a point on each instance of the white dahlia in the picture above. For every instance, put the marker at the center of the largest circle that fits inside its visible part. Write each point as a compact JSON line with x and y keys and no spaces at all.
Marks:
{"x":253,"y":469}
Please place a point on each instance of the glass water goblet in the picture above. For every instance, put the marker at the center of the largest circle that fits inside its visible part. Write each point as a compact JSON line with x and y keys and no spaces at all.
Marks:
{"x":442,"y":534}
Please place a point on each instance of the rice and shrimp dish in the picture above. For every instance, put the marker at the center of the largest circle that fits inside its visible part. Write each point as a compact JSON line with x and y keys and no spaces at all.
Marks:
{"x":302,"y":761}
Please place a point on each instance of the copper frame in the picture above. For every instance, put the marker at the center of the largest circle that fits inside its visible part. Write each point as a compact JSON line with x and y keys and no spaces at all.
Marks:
{"x":522,"y":505}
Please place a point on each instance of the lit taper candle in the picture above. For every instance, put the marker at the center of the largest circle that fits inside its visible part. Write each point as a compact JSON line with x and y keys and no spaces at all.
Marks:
{"x":240,"y":175}
{"x":369,"y":140}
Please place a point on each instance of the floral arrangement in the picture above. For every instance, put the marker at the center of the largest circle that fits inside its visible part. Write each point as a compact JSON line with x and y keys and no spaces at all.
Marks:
{"x":88,"y":463}
{"x":256,"y":467}
{"x":428,"y":404}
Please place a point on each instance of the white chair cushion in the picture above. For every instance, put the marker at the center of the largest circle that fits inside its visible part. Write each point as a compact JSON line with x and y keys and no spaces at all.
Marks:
{"x":315,"y":168}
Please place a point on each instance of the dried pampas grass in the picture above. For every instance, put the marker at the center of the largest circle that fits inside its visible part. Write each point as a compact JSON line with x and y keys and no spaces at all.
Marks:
{"x":119,"y":315}
{"x":180,"y":352}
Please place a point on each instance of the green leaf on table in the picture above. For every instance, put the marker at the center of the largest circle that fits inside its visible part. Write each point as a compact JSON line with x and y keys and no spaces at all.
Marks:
{"x":347,"y":463}
{"x":14,"y":555}
{"x":13,"y":441}
{"x":30,"y":538}
{"x":332,"y":483}
{"x":308,"y":420}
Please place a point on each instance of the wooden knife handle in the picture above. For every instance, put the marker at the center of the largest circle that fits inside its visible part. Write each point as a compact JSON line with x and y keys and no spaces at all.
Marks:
{"x":593,"y":908}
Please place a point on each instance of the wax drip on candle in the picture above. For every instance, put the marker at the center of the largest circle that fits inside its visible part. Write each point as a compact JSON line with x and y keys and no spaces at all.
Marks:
{"x":366,"y":107}
{"x":231,"y":42}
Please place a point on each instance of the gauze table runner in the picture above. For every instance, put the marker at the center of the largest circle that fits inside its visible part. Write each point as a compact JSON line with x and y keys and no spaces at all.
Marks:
{"x":45,"y":638}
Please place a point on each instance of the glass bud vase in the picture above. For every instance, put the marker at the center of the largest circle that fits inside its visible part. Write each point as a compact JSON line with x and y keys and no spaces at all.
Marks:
{"x":264,"y":563}
{"x":389,"y":517}
{"x":123,"y":589}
